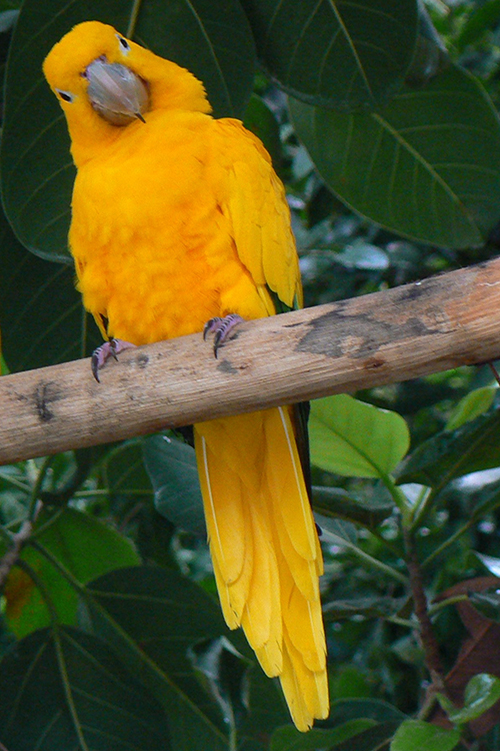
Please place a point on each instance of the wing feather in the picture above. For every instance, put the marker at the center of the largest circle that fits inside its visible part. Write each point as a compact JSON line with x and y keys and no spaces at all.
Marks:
{"x":253,"y":199}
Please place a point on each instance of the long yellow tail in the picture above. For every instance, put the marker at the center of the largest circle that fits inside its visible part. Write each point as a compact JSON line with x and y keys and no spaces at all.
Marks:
{"x":265,"y":550}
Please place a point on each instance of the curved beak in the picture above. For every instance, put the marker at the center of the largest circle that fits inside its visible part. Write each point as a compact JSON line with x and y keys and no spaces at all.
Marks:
{"x":116,"y":92}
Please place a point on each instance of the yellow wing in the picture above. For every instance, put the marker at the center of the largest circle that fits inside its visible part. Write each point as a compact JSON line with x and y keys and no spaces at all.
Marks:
{"x":253,"y":198}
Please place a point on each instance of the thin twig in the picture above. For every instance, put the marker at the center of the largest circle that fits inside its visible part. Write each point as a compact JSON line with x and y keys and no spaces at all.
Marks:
{"x":495,"y":372}
{"x":427,"y":635}
{"x":19,"y":539}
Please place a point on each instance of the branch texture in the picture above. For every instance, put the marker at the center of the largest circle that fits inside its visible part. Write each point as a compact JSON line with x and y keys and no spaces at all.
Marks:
{"x":413,"y":330}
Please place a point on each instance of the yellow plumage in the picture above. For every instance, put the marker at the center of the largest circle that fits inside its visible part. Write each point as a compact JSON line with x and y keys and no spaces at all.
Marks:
{"x":175,"y":221}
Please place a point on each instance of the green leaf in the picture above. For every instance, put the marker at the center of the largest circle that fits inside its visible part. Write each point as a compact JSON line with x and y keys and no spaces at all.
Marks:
{"x":472,"y":405}
{"x":376,"y":738}
{"x":267,"y":712}
{"x":356,"y":439}
{"x":42,"y":317}
{"x":481,"y":19}
{"x":260,"y":120}
{"x":470,"y":448}
{"x":484,"y":500}
{"x":344,"y":534}
{"x":427,"y":166}
{"x":130,"y":494}
{"x":481,"y":693}
{"x":84,"y":545}
{"x":340,"y":504}
{"x":224,"y":672}
{"x":290,"y":739}
{"x":352,"y":709}
{"x":153,"y":617}
{"x":125,"y":475}
{"x":171,"y":465}
{"x":416,"y":735}
{"x":368,"y":607}
{"x":63,"y":689}
{"x":333,"y":52}
{"x":213,"y":40}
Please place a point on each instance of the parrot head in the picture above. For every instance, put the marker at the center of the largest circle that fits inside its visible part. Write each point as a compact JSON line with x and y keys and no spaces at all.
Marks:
{"x":105,"y":82}
{"x":92,"y":65}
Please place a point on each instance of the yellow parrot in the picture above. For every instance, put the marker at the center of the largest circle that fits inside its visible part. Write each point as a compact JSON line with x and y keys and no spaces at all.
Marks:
{"x":178,"y":219}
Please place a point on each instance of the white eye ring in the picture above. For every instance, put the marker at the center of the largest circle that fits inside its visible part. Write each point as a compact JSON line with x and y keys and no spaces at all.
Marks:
{"x":124,"y":45}
{"x":66,"y":96}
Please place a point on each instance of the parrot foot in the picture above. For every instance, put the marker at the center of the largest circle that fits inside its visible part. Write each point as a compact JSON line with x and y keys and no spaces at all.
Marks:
{"x":102,"y":354}
{"x":221,"y":327}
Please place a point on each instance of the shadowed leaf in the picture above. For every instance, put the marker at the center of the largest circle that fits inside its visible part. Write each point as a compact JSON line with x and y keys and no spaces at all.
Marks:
{"x":449,"y":454}
{"x":426,"y":166}
{"x":63,"y":689}
{"x":171,"y":465}
{"x":335,"y":52}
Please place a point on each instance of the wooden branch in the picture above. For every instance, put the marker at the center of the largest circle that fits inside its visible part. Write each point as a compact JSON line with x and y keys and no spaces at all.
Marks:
{"x":429,"y":326}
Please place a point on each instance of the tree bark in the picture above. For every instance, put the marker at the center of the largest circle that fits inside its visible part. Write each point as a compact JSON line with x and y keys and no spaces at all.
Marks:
{"x":420,"y":328}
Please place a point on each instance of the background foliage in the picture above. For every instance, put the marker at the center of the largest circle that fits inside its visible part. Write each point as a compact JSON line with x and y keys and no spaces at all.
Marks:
{"x":381,"y":118}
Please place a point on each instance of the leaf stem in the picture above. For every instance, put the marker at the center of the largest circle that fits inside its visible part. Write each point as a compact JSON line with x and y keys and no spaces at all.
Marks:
{"x":72,"y":580}
{"x":422,"y":509}
{"x":438,"y":606}
{"x":233,"y":739}
{"x":427,"y":635}
{"x":68,"y":691}
{"x":406,"y":622}
{"x":399,"y":498}
{"x":133,"y":18}
{"x":446,"y":544}
{"x":9,"y":479}
{"x":54,"y":618}
{"x":106,"y":492}
{"x":372,"y":562}
{"x":35,"y":492}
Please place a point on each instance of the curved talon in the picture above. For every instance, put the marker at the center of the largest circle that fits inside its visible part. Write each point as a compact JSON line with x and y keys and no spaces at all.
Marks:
{"x":210,"y":326}
{"x":221,"y":327}
{"x":104,"y":352}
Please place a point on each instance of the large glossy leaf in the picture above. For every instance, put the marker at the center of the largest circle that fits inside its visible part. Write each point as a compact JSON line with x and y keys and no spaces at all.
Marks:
{"x":343,"y":710}
{"x":340,"y":504}
{"x":171,"y":465}
{"x":336,"y":52}
{"x":84,"y":545}
{"x":63,"y":689}
{"x":213,"y":40}
{"x":130,"y":501}
{"x":481,"y":693}
{"x":415,"y":735}
{"x":125,"y":475}
{"x":427,"y":166}
{"x":363,"y":607}
{"x":290,"y":739}
{"x":450,"y":454}
{"x":472,"y":405}
{"x":356,"y":439}
{"x":376,"y":738}
{"x":41,"y":315}
{"x":262,"y":121}
{"x":153,"y":617}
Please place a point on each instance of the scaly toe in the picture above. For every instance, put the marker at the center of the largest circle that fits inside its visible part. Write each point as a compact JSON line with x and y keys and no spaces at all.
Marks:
{"x":102,"y":354}
{"x":221,"y":327}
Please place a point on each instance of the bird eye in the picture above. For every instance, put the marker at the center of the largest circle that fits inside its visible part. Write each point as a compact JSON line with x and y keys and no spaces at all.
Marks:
{"x":66,"y":96}
{"x":125,"y":46}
